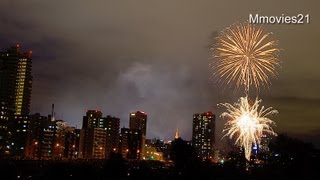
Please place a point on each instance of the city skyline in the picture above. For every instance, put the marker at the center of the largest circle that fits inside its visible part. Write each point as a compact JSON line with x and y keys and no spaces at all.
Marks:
{"x":153,"y":57}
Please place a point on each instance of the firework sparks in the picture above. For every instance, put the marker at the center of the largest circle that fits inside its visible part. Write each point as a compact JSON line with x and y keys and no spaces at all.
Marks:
{"x":247,"y":122}
{"x":245,"y":55}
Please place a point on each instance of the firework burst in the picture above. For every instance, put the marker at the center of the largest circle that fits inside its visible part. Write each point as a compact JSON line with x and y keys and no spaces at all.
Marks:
{"x":247,"y":122}
{"x":246,"y":56}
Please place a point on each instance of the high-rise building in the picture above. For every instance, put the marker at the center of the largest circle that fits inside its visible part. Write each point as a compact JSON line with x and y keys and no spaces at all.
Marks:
{"x":130,"y":143}
{"x":41,"y":137}
{"x":98,"y":134}
{"x":15,"y":93}
{"x":47,"y":137}
{"x":64,"y":146}
{"x":73,"y":144}
{"x":92,"y":119}
{"x":95,"y":142}
{"x":20,"y":132}
{"x":16,"y":81}
{"x":112,"y":126}
{"x":203,"y":134}
{"x":138,"y":121}
{"x":32,"y":150}
{"x":123,"y":142}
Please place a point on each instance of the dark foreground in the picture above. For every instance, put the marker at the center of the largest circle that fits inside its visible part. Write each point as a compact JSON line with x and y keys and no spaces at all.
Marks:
{"x":288,"y":159}
{"x":119,"y":169}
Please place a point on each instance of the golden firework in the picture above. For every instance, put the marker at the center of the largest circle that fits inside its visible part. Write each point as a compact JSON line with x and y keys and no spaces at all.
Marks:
{"x":247,"y":122}
{"x":246,"y":56}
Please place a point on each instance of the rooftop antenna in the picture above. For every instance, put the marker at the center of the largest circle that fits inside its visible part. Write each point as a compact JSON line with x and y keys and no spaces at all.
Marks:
{"x":52,"y":113}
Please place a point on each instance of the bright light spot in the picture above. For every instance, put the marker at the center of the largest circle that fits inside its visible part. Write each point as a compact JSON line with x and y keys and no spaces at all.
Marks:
{"x":247,"y":122}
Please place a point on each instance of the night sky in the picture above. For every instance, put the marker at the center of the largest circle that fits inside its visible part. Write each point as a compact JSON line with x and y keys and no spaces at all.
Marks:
{"x":123,"y":56}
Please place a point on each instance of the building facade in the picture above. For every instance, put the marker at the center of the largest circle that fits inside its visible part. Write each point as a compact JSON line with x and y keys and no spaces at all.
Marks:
{"x":15,"y":94}
{"x":94,"y":144}
{"x":112,"y":127}
{"x":99,"y":133}
{"x":203,"y":134}
{"x":138,"y":122}
{"x":41,"y":137}
{"x":130,"y":144}
{"x":93,"y":138}
{"x":92,"y":119}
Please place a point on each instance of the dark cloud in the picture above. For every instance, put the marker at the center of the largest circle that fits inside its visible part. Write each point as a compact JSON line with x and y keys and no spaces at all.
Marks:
{"x":297,"y":115}
{"x":122,"y":56}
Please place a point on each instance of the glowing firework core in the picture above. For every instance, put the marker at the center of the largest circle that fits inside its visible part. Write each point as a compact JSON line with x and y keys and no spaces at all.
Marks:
{"x":247,"y":122}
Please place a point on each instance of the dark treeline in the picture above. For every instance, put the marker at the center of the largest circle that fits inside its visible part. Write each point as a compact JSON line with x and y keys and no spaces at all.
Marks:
{"x":288,"y":158}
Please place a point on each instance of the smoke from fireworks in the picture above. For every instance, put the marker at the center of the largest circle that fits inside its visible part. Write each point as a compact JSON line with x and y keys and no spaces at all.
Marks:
{"x":247,"y":122}
{"x":245,"y":55}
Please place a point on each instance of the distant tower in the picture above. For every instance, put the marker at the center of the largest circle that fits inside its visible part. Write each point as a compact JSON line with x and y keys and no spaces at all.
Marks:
{"x":52,"y":113}
{"x":203,"y":136}
{"x":177,"y":134}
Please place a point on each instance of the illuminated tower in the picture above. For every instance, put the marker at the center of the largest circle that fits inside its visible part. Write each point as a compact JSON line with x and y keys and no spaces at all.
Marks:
{"x":176,"y":136}
{"x":15,"y":82}
{"x":203,"y":136}
{"x":15,"y":91}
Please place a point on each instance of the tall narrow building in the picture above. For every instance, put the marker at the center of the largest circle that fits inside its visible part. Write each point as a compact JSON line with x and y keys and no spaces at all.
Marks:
{"x":40,"y":137}
{"x":15,"y":92}
{"x":130,"y":143}
{"x":94,"y":136}
{"x":112,"y":127}
{"x":203,"y":134}
{"x":138,"y":122}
